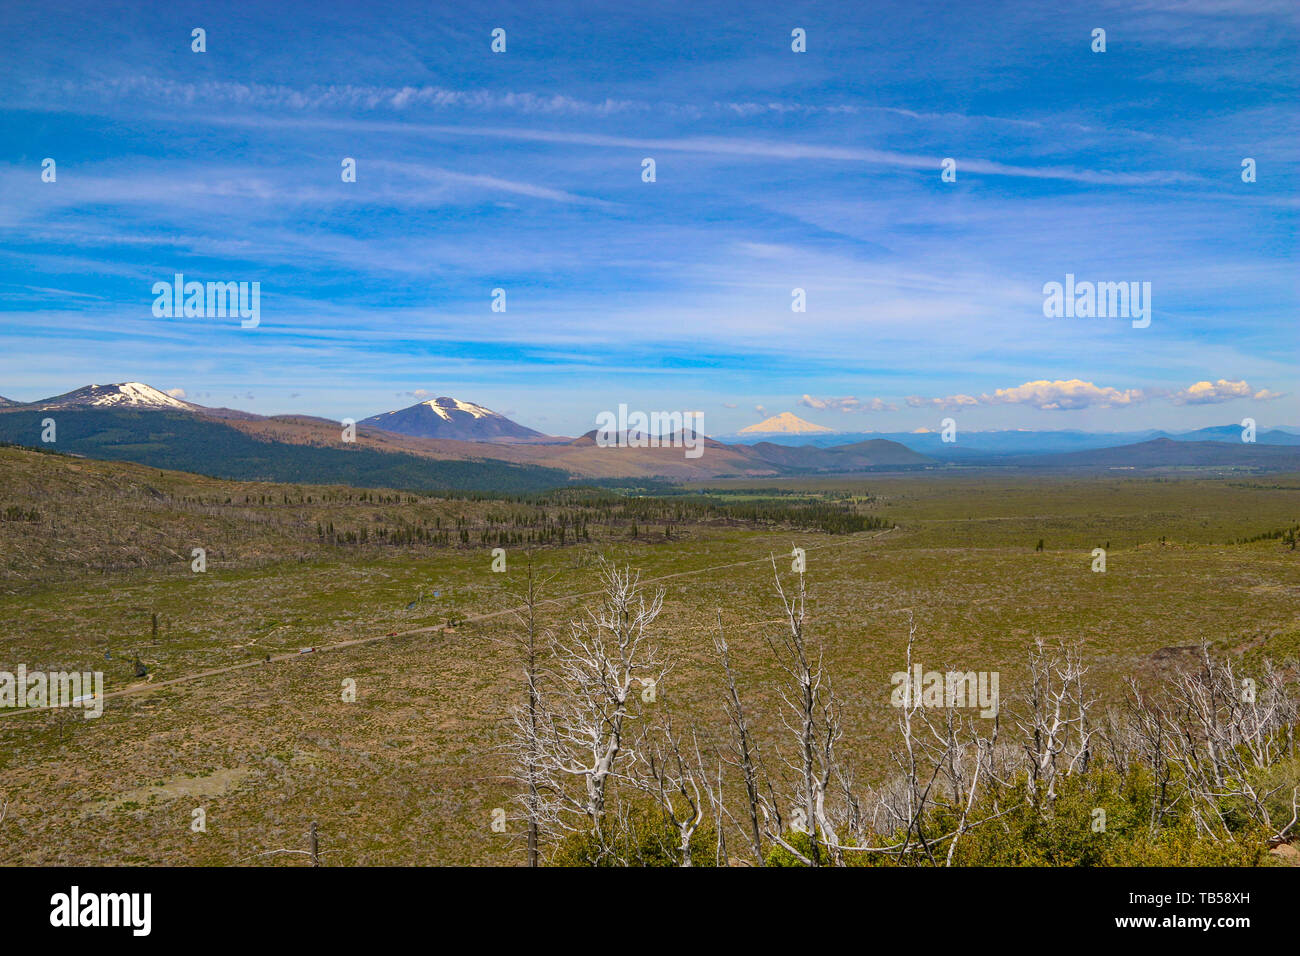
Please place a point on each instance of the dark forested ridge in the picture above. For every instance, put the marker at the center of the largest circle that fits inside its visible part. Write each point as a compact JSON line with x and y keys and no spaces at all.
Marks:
{"x":183,"y":442}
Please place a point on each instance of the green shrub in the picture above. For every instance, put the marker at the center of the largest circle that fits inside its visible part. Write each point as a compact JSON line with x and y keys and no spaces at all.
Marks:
{"x":649,"y":838}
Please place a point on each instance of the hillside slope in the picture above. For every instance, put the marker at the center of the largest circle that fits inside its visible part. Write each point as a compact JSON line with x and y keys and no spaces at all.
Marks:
{"x":1168,"y":453}
{"x":451,"y":418}
{"x":184,"y":441}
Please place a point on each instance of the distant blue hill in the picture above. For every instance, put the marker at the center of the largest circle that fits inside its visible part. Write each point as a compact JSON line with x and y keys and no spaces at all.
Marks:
{"x":972,"y":445}
{"x":1232,"y":433}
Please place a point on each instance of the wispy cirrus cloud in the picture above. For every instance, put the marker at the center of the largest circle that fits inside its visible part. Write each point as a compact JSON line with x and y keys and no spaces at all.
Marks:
{"x":739,"y":147}
{"x":775,"y":171}
{"x":319,"y":97}
{"x":350,"y":98}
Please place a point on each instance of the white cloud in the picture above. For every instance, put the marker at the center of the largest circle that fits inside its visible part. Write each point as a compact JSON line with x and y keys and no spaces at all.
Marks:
{"x":1057,"y":395}
{"x":848,"y":403}
{"x":1215,"y":393}
{"x":950,"y":401}
{"x":1061,"y":395}
{"x":176,"y":393}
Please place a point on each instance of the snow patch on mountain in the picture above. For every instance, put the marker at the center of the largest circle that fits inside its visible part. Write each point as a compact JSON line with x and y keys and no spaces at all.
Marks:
{"x":118,"y":395}
{"x":453,"y":418}
{"x":443,"y":407}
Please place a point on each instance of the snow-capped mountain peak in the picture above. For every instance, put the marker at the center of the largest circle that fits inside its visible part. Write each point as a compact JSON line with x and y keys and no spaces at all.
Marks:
{"x":447,"y":417}
{"x":118,"y":395}
{"x":786,"y":423}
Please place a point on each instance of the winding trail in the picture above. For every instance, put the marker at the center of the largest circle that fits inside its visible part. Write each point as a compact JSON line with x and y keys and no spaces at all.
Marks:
{"x":484,"y":616}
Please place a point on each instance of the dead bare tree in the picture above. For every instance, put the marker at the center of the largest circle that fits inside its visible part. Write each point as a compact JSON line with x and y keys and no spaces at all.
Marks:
{"x":811,"y":714}
{"x":744,"y":749}
{"x":528,"y":646}
{"x":1142,"y":730}
{"x":312,"y":852}
{"x":916,"y":796}
{"x":942,"y":761}
{"x":577,"y":735}
{"x":1053,"y":719}
{"x":60,"y":716}
{"x":1204,"y":738}
{"x":1218,"y":729}
{"x":678,"y":785}
{"x":715,"y":794}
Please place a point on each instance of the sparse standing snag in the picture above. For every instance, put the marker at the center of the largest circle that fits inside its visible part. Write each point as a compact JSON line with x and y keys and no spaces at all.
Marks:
{"x":744,"y":747}
{"x":582,"y":706}
{"x":675,"y":783}
{"x":312,"y":852}
{"x":813,"y":717}
{"x":1217,"y":735}
{"x":1055,"y":720}
{"x":60,"y":717}
{"x":525,"y":720}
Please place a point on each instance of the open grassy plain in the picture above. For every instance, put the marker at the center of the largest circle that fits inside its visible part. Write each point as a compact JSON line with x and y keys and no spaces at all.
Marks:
{"x":410,"y":772}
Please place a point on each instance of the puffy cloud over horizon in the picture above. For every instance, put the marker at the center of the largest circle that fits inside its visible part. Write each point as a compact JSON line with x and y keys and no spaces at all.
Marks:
{"x":1061,"y":395}
{"x":947,"y":403}
{"x":1057,"y":395}
{"x":848,"y":403}
{"x":1214,"y":393}
{"x":1072,"y":394}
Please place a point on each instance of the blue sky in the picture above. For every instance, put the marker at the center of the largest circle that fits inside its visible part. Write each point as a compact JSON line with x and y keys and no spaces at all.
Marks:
{"x":775,"y":170}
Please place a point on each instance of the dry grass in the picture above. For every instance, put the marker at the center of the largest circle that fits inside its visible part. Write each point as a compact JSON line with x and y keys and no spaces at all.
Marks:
{"x":411,"y":771}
